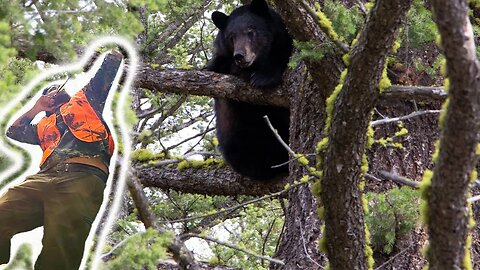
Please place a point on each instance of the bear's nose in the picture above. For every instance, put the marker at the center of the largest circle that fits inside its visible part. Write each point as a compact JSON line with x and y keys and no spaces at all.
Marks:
{"x":239,"y":58}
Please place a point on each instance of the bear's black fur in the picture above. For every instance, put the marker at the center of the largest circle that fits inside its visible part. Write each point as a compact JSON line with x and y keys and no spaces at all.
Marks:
{"x":252,"y":43}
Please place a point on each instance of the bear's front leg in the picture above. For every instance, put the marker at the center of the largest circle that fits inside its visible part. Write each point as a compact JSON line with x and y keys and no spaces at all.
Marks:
{"x":266,"y":78}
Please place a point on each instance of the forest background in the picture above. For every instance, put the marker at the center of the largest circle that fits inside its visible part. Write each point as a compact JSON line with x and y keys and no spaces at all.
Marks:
{"x":180,"y":188}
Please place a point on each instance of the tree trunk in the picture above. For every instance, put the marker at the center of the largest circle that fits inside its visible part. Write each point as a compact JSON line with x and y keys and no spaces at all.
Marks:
{"x":448,"y":213}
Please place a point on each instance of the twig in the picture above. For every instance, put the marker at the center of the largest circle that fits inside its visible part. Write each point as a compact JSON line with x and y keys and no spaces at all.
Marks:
{"x":302,"y":235}
{"x":285,"y":145}
{"x":372,"y":177}
{"x":290,"y":160}
{"x":190,"y":138}
{"x":401,"y":118}
{"x":396,"y":255}
{"x":107,"y":255}
{"x":362,"y":7}
{"x":264,"y":244}
{"x":474,"y":199}
{"x":201,"y":138}
{"x":188,"y":235}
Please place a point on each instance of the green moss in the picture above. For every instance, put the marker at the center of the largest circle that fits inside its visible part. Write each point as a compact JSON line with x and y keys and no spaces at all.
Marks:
{"x":369,"y":6}
{"x":473,"y":175}
{"x":145,"y":136}
{"x":364,"y":199}
{"x":385,"y":82}
{"x":368,"y":249}
{"x":343,"y":75}
{"x":331,"y":105}
{"x":144,"y":155}
{"x":196,"y":164}
{"x":443,"y":114}
{"x":436,"y":150}
{"x":325,"y":23}
{"x":318,"y":174}
{"x":321,"y":212}
{"x":369,"y":256}
{"x":364,"y":168}
{"x":317,"y":188}
{"x":438,"y":41}
{"x":477,"y":150}
{"x":425,"y":191}
{"x":182,"y":165}
{"x":304,"y":179}
{"x":396,"y":45}
{"x":210,"y":163}
{"x":471,"y":222}
{"x":346,"y":59}
{"x":322,"y":146}
{"x":467,"y":259}
{"x":401,"y":132}
{"x":322,"y":244}
{"x":302,"y":159}
{"x":446,"y":85}
{"x":354,"y":42}
{"x":397,"y":145}
{"x":443,"y":67}
{"x":370,"y":136}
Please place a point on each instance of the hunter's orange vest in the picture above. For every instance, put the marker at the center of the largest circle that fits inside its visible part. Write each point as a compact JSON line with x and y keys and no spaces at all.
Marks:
{"x":80,"y":118}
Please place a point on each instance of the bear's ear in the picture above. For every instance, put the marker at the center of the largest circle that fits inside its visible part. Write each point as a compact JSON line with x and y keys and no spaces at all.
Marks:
{"x":219,"y":19}
{"x":259,"y":7}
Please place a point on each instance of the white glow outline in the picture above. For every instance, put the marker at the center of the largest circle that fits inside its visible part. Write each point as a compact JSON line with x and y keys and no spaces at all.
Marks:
{"x":17,"y":159}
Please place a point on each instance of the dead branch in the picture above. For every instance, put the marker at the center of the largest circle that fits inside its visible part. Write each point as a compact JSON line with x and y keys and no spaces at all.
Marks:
{"x":399,"y":179}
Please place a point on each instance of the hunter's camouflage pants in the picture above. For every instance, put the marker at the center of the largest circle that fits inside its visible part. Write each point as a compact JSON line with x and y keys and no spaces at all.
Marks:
{"x":64,"y":202}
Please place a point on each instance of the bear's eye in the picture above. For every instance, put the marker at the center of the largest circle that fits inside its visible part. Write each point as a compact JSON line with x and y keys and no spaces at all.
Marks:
{"x":251,"y":33}
{"x":231,"y":38}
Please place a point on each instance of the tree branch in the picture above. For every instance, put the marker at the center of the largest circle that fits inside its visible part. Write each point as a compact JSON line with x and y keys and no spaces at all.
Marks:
{"x":207,"y":83}
{"x":221,"y":181}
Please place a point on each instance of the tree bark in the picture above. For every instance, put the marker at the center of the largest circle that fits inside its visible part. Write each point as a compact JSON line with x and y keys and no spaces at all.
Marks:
{"x":340,"y":192}
{"x":448,"y":215}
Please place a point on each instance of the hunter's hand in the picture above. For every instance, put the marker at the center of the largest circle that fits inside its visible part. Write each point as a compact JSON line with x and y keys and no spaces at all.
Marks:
{"x":45,"y":103}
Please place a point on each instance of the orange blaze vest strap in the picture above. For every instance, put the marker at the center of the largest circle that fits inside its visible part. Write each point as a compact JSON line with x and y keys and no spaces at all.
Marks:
{"x":81,"y":119}
{"x":49,"y":135}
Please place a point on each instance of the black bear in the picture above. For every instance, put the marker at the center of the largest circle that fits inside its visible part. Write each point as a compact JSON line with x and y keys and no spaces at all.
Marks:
{"x":252,"y":43}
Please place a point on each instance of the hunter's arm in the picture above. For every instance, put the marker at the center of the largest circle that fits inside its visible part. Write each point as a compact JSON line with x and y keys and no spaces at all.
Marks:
{"x":97,"y":89}
{"x":21,"y":130}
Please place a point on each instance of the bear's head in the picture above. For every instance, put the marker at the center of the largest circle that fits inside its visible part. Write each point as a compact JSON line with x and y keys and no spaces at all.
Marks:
{"x":247,"y":32}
